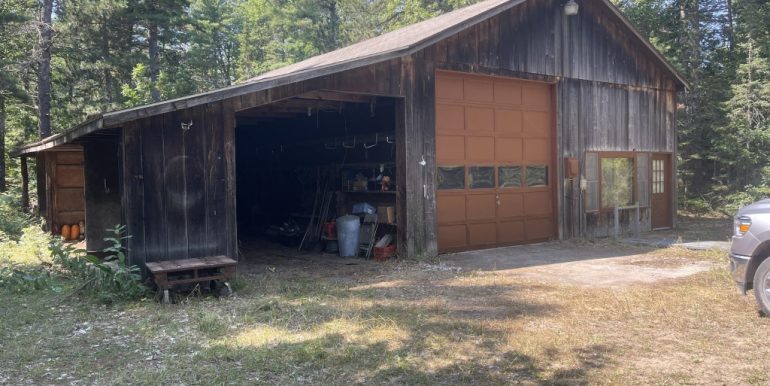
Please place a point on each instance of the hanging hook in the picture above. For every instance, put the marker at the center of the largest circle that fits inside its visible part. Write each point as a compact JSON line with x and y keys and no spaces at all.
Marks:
{"x":376,"y":139}
{"x":346,"y":146}
{"x":387,"y":140}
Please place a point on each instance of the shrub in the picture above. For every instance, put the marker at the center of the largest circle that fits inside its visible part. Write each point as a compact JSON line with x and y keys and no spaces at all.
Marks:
{"x":110,"y":279}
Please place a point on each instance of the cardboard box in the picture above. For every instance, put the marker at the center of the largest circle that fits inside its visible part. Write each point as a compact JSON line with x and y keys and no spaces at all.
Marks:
{"x":386,"y":214}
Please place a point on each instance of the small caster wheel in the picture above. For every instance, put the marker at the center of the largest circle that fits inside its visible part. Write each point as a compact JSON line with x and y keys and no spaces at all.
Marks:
{"x":223,"y":290}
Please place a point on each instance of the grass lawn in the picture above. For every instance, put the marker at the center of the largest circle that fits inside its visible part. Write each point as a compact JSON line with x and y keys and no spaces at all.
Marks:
{"x":397,"y":323}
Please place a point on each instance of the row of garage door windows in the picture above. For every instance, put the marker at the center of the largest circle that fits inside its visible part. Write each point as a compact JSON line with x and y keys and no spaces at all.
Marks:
{"x":483,"y":177}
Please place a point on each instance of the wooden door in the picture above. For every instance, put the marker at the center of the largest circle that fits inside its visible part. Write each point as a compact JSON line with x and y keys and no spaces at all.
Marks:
{"x":661,"y":192}
{"x":494,"y":157}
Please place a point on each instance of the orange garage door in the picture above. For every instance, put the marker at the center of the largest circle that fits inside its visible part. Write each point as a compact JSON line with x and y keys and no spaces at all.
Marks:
{"x":494,"y":158}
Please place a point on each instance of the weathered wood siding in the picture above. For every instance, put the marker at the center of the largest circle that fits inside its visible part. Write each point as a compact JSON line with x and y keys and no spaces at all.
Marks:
{"x":177,"y":184}
{"x":611,"y":95}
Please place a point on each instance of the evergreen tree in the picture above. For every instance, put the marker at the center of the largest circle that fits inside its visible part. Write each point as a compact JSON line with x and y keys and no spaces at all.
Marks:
{"x":11,"y":85}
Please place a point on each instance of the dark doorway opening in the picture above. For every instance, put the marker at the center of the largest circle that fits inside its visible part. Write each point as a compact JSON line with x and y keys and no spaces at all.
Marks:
{"x":305,"y":161}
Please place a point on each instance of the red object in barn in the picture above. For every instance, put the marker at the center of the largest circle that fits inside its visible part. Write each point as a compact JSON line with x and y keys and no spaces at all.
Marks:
{"x":330,"y":230}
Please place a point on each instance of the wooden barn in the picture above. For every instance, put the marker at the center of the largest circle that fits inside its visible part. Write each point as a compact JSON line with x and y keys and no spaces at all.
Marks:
{"x":505,"y":122}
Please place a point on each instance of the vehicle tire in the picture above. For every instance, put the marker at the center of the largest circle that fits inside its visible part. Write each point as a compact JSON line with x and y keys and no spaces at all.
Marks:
{"x":762,"y":286}
{"x":223,"y":290}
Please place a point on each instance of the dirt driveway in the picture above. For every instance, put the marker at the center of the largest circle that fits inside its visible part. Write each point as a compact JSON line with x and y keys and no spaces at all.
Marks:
{"x":580,"y":264}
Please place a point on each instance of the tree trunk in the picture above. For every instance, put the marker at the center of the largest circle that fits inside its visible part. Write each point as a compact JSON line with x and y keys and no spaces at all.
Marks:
{"x":154,"y":61}
{"x":24,"y":185}
{"x":45,"y":31}
{"x":730,"y":24}
{"x":106,"y":62}
{"x":2,"y":143}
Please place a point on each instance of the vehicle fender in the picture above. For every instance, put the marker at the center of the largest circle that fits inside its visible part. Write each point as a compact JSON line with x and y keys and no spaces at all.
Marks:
{"x":761,"y":253}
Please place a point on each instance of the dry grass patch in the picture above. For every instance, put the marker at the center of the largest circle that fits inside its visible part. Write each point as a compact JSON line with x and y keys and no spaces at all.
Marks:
{"x":408,"y":324}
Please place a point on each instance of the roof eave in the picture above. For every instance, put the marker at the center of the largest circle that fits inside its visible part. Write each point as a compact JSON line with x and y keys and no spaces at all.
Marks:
{"x":66,"y":137}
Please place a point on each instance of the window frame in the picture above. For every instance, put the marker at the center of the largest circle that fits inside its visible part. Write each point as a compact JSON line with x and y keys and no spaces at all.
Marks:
{"x":636,"y":157}
{"x":634,"y":182}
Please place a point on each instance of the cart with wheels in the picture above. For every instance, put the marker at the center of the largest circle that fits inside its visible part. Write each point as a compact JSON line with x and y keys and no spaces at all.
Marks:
{"x":216,"y":270}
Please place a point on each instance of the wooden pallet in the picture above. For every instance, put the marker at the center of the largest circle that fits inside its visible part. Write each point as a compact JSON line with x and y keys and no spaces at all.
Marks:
{"x":167,"y":274}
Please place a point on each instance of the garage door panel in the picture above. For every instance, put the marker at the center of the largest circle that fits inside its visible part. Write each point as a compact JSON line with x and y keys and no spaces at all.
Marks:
{"x":507,"y":93}
{"x":509,"y":149}
{"x":511,"y":205}
{"x":537,"y":150}
{"x":479,"y":91}
{"x":450,"y":118}
{"x":539,"y":229}
{"x":450,"y":88}
{"x":479,"y":119}
{"x":482,"y":234}
{"x":511,"y":232}
{"x":450,"y":148}
{"x":537,"y":96}
{"x":538,"y":203}
{"x":536,"y":124}
{"x":508,"y":121}
{"x":498,"y":132}
{"x":450,"y":208}
{"x":480,"y":149}
{"x":452,"y":236}
{"x":481,"y":206}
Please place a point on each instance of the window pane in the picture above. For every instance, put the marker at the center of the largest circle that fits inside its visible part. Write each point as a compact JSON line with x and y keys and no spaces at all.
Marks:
{"x":451,"y":177}
{"x":658,"y":176}
{"x":617,"y":182}
{"x":537,"y":175}
{"x":509,"y":176}
{"x":481,"y":177}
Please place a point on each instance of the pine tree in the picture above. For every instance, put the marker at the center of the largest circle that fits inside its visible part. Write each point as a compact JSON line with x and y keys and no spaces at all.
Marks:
{"x":45,"y":27}
{"x":10,"y":85}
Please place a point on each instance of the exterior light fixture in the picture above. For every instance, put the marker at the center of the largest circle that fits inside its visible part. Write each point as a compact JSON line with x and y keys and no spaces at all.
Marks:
{"x":571,"y":8}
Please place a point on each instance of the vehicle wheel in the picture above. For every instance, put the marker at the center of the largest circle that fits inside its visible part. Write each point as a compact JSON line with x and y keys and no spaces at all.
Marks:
{"x":223,"y":290}
{"x":762,"y":286}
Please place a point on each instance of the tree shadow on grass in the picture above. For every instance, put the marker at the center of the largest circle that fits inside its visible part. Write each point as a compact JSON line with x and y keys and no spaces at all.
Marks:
{"x":328,"y":360}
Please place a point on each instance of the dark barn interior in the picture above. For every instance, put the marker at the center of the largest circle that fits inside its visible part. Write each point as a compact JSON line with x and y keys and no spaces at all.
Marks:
{"x":303,"y":162}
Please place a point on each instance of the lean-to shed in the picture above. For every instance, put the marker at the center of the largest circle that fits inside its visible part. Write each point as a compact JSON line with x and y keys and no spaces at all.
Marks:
{"x":505,"y":122}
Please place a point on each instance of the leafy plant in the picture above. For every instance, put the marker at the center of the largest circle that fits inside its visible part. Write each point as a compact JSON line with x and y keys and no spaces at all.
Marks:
{"x":110,"y":279}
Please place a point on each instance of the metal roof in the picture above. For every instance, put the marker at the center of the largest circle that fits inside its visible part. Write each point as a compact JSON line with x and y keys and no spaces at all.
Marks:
{"x":387,"y":46}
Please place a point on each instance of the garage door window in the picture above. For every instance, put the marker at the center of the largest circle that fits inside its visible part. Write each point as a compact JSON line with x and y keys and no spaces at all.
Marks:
{"x":481,"y":177}
{"x":451,"y":177}
{"x":537,"y":175}
{"x":509,"y":176}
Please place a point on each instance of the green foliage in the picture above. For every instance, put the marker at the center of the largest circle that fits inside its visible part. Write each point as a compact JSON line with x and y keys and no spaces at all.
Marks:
{"x":110,"y":279}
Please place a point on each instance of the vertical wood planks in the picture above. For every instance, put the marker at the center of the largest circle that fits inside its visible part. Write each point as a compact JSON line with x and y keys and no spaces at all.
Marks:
{"x":194,"y":139}
{"x":228,"y":131}
{"x":153,"y":163}
{"x":133,"y":193}
{"x":215,"y":182}
{"x":175,"y":186}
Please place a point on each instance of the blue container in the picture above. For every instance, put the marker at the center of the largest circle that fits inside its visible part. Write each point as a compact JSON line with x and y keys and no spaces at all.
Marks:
{"x":348,"y":231}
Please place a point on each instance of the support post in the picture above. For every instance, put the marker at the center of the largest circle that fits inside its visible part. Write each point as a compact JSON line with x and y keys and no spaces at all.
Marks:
{"x":637,"y":229}
{"x":616,"y":218}
{"x":24,"y":185}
